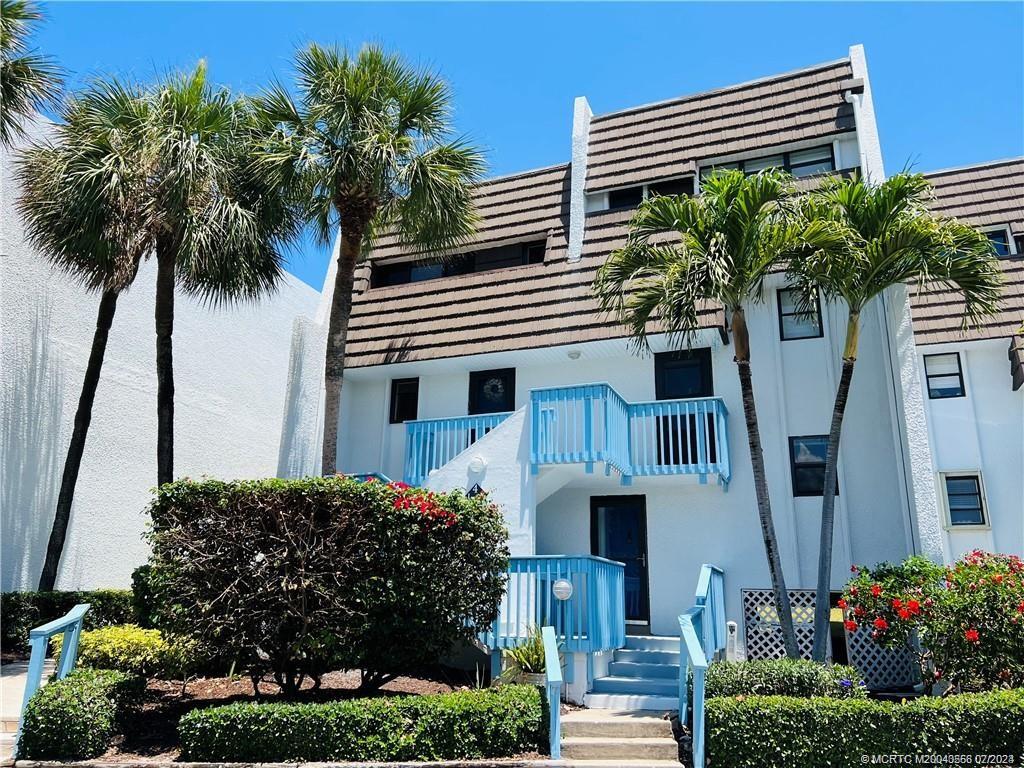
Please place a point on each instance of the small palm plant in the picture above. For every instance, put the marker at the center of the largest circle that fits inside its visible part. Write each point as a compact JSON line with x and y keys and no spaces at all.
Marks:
{"x":368,"y":146}
{"x":28,"y":81}
{"x":526,"y":661}
{"x":890,"y":238}
{"x":686,"y":253}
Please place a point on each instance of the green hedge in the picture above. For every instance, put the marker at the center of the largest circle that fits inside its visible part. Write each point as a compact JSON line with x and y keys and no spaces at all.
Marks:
{"x":24,"y":610}
{"x":770,"y":731}
{"x":490,"y":723}
{"x":784,"y":677}
{"x":75,"y":718}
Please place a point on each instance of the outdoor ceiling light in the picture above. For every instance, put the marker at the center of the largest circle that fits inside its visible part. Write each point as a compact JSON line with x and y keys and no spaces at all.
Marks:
{"x":574,"y":354}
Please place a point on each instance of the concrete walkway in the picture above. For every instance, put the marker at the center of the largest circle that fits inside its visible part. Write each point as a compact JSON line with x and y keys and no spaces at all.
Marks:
{"x":13,"y":677}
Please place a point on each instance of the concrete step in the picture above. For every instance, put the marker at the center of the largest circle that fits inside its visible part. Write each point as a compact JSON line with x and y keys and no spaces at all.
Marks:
{"x":652,"y":643}
{"x":6,"y":746}
{"x":661,"y":686}
{"x":8,"y":725}
{"x":625,"y":724}
{"x":606,"y":748}
{"x":638,"y":669}
{"x":646,"y":657}
{"x":631,"y":701}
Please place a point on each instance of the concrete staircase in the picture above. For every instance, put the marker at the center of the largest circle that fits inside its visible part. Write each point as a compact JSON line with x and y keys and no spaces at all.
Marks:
{"x":8,"y":729}
{"x":644,"y":675}
{"x":632,"y":738}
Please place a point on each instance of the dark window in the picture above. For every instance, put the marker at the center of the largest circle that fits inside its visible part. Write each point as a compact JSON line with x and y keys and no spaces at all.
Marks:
{"x":807,"y":462}
{"x":963,"y":495}
{"x":1018,"y":240}
{"x":405,"y":398}
{"x":682,"y":186}
{"x":1000,"y":241}
{"x":625,"y":198}
{"x":514,"y":255}
{"x":492,"y":391}
{"x":801,"y":162}
{"x":944,"y":376}
{"x":792,"y":323}
{"x":679,"y":375}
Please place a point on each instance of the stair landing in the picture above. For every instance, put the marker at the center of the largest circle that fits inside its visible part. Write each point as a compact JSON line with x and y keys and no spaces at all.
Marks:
{"x":643,"y":675}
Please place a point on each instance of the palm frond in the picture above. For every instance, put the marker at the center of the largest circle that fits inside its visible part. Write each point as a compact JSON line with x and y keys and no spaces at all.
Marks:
{"x":28,"y":81}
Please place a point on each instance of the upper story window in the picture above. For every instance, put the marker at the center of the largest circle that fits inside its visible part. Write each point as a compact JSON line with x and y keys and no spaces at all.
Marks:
{"x":944,"y":376}
{"x":631,"y":197}
{"x":492,"y":391}
{"x":405,"y":400}
{"x":807,"y":456}
{"x":794,"y":324}
{"x":1001,"y":241}
{"x":683,"y":374}
{"x":515,"y":255}
{"x":965,"y":502}
{"x":800,"y":162}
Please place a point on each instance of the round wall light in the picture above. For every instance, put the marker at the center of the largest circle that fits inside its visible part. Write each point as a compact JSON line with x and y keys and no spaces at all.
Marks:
{"x":562,"y":589}
{"x":477,"y":464}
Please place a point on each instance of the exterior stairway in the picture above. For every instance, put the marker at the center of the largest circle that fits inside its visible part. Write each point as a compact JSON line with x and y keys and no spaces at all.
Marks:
{"x":643,"y":675}
{"x":601,"y":737}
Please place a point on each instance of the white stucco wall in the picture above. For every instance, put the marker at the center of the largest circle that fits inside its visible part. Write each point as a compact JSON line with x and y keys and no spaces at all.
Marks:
{"x":982,"y":432}
{"x":231,"y":378}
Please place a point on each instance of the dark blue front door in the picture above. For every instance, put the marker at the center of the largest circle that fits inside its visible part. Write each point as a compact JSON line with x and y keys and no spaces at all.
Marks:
{"x":618,"y":531}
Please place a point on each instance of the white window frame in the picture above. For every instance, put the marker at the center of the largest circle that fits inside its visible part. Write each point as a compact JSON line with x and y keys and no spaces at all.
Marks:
{"x":986,"y":524}
{"x":1010,"y":242}
{"x":597,"y":202}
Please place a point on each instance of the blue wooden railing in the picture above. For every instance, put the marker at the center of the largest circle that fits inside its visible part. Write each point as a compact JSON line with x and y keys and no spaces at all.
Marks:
{"x":553,"y":686}
{"x":589,"y":423}
{"x":432,"y":443}
{"x":70,"y":625}
{"x":590,"y":620}
{"x":701,"y":637}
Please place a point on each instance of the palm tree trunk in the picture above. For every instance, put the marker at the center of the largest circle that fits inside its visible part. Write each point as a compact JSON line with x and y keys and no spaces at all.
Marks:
{"x":73,"y":462}
{"x":741,"y":340}
{"x":337,"y":335}
{"x":164,"y":364}
{"x":822,"y":599}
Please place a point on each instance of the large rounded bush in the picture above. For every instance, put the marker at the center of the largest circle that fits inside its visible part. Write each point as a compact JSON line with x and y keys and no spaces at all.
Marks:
{"x":294,"y":577}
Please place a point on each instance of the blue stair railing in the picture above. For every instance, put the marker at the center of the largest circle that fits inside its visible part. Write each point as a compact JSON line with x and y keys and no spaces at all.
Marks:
{"x":432,"y":443}
{"x":702,"y":634}
{"x":553,"y":686}
{"x":70,"y":625}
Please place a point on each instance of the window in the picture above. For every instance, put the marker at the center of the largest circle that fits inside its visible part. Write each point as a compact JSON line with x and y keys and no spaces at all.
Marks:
{"x":807,"y":461}
{"x":1018,"y":241}
{"x":964,"y":499}
{"x":944,"y":376}
{"x":1000,"y":240}
{"x":625,"y":198}
{"x":679,"y":375}
{"x":801,"y":162}
{"x":503,"y":256}
{"x":405,"y":400}
{"x":682,"y":186}
{"x":792,"y":323}
{"x":631,"y":197}
{"x":492,"y":391}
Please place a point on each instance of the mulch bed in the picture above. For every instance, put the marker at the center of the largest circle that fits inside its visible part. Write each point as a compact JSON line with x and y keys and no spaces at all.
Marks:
{"x":152,"y":733}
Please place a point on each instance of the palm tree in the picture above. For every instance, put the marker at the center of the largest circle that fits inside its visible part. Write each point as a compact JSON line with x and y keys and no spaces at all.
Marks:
{"x":368,"y":143}
{"x":81,"y":210}
{"x":890,"y":239}
{"x":726,"y":241}
{"x":217,"y":222}
{"x":28,"y":81}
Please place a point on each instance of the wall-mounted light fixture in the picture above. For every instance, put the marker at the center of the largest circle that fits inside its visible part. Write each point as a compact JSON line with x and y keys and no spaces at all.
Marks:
{"x":574,"y":354}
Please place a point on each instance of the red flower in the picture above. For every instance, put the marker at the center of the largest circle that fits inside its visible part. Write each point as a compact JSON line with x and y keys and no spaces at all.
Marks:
{"x":904,"y":614}
{"x":859,"y":610}
{"x":853,"y":591}
{"x":853,"y":569}
{"x":851,"y":626}
{"x":880,"y":623}
{"x":913,"y":606}
{"x":896,"y":604}
{"x":971,"y":635}
{"x":876,"y":590}
{"x":841,"y":603}
{"x":997,"y":578}
{"x":1020,"y":607}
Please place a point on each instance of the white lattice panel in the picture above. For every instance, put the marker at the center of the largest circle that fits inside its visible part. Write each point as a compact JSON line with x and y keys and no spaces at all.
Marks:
{"x":880,"y":667}
{"x":761,"y":623}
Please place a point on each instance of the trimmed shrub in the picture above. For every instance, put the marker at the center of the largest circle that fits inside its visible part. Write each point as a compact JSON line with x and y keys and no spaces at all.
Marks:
{"x":770,"y":731}
{"x":24,"y":610}
{"x":295,"y":577}
{"x":134,"y":651}
{"x":75,"y":718}
{"x":784,"y":677}
{"x":498,"y":722}
{"x":969,"y":616}
{"x":142,"y":597}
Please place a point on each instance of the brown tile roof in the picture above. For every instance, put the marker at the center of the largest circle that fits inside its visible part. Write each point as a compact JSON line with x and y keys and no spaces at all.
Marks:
{"x":983,"y":196}
{"x":667,"y":139}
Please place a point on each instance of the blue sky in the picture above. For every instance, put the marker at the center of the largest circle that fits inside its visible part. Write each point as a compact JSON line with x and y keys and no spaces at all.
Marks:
{"x":948,"y":78}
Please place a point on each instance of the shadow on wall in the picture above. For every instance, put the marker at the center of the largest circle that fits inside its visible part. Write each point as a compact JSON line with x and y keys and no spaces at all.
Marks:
{"x":299,"y":450}
{"x":30,"y":452}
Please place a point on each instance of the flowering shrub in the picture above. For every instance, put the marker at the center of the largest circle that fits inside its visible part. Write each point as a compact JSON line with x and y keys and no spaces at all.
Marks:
{"x":968,"y":617}
{"x":292,"y":578}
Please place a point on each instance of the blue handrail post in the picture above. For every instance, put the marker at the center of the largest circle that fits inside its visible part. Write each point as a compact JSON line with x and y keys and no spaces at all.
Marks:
{"x":553,"y":685}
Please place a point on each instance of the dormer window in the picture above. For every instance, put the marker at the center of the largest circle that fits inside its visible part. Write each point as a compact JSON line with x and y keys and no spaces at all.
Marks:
{"x":1000,"y":239}
{"x":484,"y":260}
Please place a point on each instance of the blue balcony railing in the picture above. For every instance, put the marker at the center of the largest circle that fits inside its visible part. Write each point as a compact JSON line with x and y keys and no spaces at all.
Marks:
{"x":590,"y":423}
{"x":581,"y":596}
{"x":432,"y":443}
